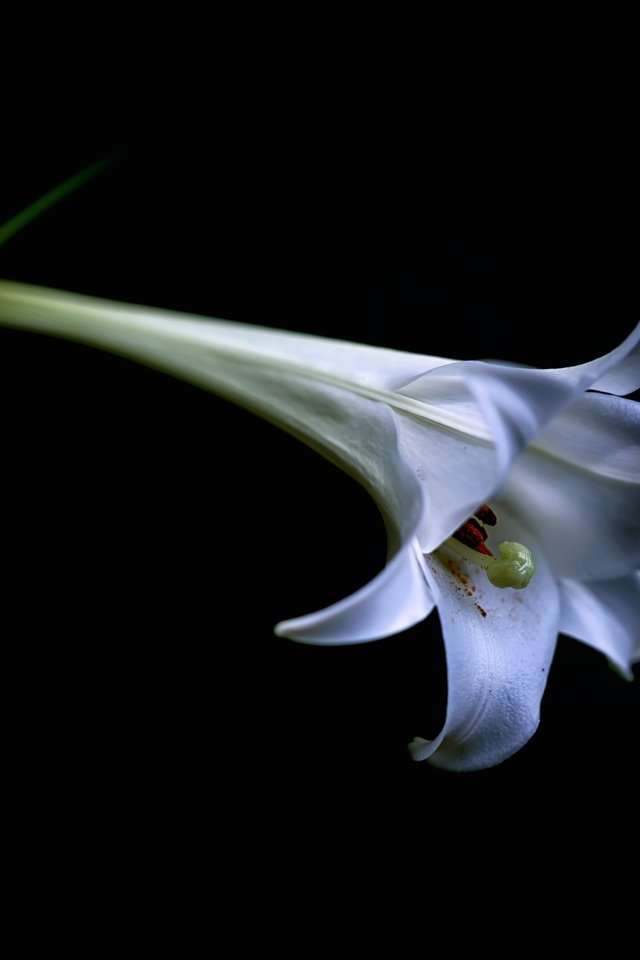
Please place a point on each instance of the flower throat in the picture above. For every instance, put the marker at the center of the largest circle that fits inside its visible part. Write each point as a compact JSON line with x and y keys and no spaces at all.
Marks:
{"x":514,"y":568}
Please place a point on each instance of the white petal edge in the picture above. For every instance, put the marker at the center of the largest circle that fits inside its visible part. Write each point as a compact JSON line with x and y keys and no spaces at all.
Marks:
{"x":499,"y":646}
{"x":393,"y":601}
{"x":605,"y":614}
{"x":619,"y":372}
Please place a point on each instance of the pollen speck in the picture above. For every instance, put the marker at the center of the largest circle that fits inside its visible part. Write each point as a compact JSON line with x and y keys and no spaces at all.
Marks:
{"x":481,"y":609}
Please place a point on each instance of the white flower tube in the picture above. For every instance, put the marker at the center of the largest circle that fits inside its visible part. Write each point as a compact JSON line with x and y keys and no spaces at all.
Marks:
{"x":432,"y":440}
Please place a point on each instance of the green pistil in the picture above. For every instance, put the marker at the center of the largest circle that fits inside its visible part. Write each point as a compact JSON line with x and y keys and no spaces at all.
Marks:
{"x":514,"y":568}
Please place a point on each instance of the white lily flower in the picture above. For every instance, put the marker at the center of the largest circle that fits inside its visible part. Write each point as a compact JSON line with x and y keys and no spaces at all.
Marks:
{"x":433,"y":441}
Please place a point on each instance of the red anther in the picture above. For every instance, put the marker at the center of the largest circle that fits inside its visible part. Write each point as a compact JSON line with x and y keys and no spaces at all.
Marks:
{"x":482,"y":549}
{"x":486,"y":515}
{"x":473,"y":535}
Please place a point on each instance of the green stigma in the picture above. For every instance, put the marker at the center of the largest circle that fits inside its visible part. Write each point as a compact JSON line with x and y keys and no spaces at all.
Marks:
{"x":514,"y":568}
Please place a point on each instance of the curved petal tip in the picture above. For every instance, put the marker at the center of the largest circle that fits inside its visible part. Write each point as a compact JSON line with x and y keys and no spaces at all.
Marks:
{"x":395,"y":600}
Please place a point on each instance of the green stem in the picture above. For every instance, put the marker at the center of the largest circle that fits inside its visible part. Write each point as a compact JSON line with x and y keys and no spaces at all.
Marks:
{"x":58,"y":193}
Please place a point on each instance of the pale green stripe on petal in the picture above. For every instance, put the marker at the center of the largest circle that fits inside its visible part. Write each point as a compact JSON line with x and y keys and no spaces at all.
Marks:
{"x":179,"y":343}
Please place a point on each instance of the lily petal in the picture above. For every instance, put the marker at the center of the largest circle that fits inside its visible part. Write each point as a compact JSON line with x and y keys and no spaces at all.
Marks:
{"x":455,"y":470}
{"x":129,"y":329}
{"x":620,"y":371}
{"x":606,"y":615}
{"x":578,"y":486}
{"x":508,"y":404}
{"x":499,"y":646}
{"x":393,"y":601}
{"x":271,"y":373}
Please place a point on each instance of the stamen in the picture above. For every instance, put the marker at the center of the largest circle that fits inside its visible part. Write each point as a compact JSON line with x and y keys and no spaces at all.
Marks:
{"x":515,"y":565}
{"x":486,"y":515}
{"x":473,"y":535}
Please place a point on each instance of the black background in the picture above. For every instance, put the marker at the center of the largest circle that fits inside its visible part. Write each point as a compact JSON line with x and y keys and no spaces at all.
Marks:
{"x":153,"y":533}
